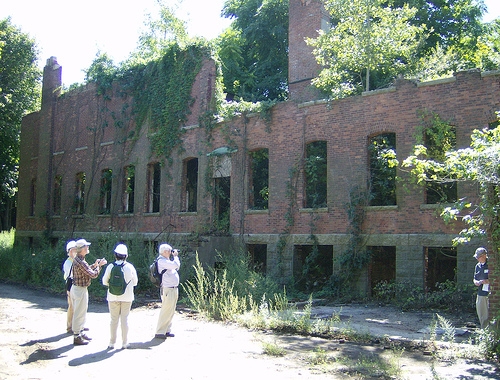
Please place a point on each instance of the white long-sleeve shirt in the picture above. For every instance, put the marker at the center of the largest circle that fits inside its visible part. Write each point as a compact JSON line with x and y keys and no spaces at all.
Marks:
{"x":170,"y":278}
{"x":67,"y":268}
{"x":130,"y":275}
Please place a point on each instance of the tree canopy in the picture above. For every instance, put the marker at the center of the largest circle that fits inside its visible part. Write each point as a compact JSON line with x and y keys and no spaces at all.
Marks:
{"x":366,"y":38}
{"x":371,"y":42}
{"x":479,"y":164}
{"x":254,"y":50}
{"x":19,"y":94}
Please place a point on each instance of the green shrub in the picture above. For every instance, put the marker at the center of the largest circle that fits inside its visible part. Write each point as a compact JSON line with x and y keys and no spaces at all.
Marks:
{"x":42,"y":266}
{"x":448,"y":296}
{"x":229,"y":290}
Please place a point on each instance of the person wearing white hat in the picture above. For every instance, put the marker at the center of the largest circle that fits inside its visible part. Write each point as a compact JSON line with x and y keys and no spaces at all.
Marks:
{"x":483,"y":286}
{"x":120,"y":304}
{"x":68,"y":278}
{"x":168,"y":264}
{"x":83,"y":273}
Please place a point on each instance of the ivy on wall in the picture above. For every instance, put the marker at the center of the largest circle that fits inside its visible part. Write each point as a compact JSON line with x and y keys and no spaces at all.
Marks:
{"x":162,"y":95}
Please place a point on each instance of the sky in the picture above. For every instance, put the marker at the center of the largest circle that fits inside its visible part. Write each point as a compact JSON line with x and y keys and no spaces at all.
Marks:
{"x":75,"y":31}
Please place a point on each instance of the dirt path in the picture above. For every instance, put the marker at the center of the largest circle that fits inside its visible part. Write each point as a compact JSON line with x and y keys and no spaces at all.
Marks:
{"x":34,"y":345}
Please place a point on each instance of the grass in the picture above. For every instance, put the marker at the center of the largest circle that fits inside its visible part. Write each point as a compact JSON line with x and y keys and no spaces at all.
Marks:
{"x":273,"y":349}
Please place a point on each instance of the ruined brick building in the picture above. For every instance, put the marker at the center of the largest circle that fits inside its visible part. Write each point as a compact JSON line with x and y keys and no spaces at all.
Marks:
{"x":80,"y":180}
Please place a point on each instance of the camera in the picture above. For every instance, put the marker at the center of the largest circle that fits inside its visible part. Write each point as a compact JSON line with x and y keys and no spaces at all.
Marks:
{"x":172,"y":256}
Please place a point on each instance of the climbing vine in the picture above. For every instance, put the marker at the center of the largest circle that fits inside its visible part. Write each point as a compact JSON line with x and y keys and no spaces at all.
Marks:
{"x":162,"y":95}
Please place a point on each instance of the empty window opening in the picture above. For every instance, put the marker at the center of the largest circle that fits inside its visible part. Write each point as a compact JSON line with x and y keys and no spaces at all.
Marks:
{"x":105,"y":193}
{"x":259,"y":180}
{"x":439,"y":138}
{"x":33,"y":197}
{"x":221,"y":166}
{"x":315,"y":169}
{"x":383,"y":164}
{"x":79,"y":204}
{"x":153,"y":198}
{"x":312,"y":266}
{"x":222,"y":203}
{"x":190,"y":184}
{"x":382,"y":266}
{"x":440,"y":266}
{"x":258,"y":257}
{"x":129,"y":189}
{"x":57,"y":195}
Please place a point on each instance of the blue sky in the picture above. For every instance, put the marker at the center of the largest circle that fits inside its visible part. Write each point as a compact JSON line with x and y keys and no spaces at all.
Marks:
{"x":74,"y":31}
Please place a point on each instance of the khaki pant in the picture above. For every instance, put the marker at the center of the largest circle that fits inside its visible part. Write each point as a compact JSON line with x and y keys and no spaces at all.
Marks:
{"x":69,"y":315}
{"x":80,"y":298}
{"x":119,"y":312}
{"x":482,"y":306}
{"x":169,"y":298}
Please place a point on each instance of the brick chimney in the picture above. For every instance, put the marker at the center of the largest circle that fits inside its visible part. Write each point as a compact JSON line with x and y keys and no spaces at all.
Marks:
{"x":52,"y":82}
{"x":306,"y":18}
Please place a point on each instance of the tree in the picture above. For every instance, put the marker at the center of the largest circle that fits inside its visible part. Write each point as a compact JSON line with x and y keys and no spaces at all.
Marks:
{"x":254,"y":50}
{"x":371,"y":42}
{"x":161,"y":33}
{"x":19,"y":94}
{"x":479,"y":164}
{"x":449,"y":23}
{"x":368,"y":45}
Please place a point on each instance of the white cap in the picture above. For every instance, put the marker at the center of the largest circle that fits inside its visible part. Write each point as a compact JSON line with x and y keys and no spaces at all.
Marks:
{"x":121,"y":249}
{"x":71,"y":244}
{"x":82,"y":243}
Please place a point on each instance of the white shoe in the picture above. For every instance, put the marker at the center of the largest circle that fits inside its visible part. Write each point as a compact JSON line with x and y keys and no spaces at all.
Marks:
{"x":125,"y":346}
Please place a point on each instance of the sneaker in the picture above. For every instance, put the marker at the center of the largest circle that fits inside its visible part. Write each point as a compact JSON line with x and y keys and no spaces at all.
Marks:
{"x":111,"y":346}
{"x":125,"y":346}
{"x":79,"y":341}
{"x":169,"y":335}
{"x":85,"y":337}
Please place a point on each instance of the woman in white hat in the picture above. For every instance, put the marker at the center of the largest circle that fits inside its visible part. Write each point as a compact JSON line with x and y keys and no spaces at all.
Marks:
{"x":119,"y":303}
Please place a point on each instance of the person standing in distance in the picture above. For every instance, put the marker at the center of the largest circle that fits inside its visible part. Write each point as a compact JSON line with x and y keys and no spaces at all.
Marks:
{"x":483,"y":283}
{"x":119,"y":305}
{"x":168,"y":259}
{"x":68,"y":273}
{"x":83,"y":273}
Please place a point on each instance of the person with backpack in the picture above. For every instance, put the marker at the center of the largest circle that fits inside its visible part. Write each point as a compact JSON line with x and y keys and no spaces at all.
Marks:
{"x":120,"y":277}
{"x":168,"y":264}
{"x":68,"y":279}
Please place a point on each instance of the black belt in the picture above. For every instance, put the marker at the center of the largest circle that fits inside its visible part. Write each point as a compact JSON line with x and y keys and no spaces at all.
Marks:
{"x":171,"y":287}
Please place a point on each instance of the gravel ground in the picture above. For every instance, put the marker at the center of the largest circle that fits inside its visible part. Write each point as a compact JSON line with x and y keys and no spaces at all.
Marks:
{"x":35,"y":345}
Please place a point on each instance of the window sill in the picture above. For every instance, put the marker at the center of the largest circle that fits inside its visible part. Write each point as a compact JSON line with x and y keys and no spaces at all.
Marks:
{"x":151,"y":214}
{"x":256,"y":212}
{"x":382,"y":208}
{"x":434,"y":206}
{"x":311,"y":210}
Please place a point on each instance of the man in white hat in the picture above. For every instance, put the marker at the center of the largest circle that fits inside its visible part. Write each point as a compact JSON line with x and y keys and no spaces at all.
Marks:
{"x":168,"y":264}
{"x":483,"y":283}
{"x":120,"y":304}
{"x":83,"y":273}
